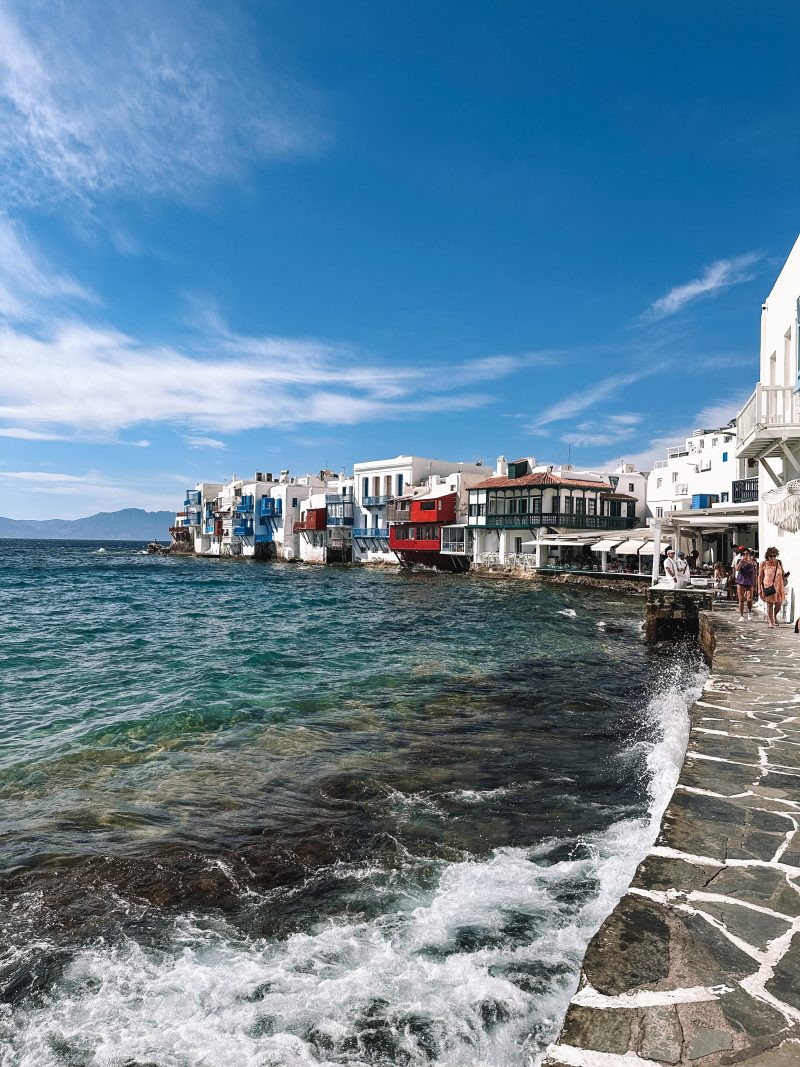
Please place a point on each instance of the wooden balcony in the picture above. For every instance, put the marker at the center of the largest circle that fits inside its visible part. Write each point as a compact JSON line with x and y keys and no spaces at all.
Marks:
{"x":557,"y":519}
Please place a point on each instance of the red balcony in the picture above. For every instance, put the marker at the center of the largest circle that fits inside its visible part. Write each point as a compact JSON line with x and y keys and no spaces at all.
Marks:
{"x":316,"y":519}
{"x":422,"y":537}
{"x":435,"y":509}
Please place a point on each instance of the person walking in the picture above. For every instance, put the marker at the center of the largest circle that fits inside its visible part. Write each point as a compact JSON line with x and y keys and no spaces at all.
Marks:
{"x":745,"y":580}
{"x":771,"y":586}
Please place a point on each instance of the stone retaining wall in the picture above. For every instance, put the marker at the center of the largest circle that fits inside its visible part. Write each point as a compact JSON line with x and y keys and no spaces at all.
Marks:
{"x":699,"y":963}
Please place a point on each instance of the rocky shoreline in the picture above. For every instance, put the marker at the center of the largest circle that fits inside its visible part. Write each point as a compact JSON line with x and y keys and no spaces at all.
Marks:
{"x":699,"y":963}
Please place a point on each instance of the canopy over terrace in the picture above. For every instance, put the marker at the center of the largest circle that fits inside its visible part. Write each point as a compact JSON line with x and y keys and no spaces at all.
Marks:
{"x":714,"y":531}
{"x":602,"y":545}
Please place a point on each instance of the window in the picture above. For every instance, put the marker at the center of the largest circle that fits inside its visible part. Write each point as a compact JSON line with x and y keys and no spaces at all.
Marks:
{"x":724,"y":457}
{"x":714,"y":441}
{"x":658,"y":483}
{"x":724,"y":498}
{"x":427,"y":505}
{"x":659,"y":513}
{"x":591,"y":506}
{"x":365,"y":486}
{"x":399,"y":484}
{"x":674,"y":476}
{"x":294,"y":501}
{"x":630,"y":487}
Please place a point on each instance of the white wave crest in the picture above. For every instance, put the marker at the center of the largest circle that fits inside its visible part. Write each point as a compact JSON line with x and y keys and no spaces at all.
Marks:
{"x":477,"y":969}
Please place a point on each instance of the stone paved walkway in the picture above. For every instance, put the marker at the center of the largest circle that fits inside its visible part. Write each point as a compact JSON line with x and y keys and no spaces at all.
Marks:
{"x":700,"y":961}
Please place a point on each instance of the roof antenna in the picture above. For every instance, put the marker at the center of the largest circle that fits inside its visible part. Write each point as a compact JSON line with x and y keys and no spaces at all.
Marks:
{"x":569,"y":454}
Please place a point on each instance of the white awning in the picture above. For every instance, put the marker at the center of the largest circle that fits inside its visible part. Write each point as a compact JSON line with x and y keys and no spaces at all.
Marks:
{"x":630,"y":548}
{"x":605,"y":546}
{"x":685,"y":518}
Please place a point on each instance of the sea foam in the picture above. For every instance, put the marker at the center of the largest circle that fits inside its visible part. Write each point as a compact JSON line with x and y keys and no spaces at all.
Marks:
{"x":475,"y":968}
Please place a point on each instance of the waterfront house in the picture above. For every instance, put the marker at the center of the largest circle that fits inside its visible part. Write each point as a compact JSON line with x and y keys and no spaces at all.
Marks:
{"x":420,"y":520}
{"x":769,"y":423}
{"x":378,"y":484}
{"x":325,"y":525}
{"x":527,"y":513}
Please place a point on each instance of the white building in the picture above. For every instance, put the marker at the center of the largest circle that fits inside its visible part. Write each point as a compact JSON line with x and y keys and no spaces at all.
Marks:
{"x":249,"y":517}
{"x":701,"y":472}
{"x":324,"y":529}
{"x":378,"y":483}
{"x":769,"y":424}
{"x":704,"y":497}
{"x":527,"y":514}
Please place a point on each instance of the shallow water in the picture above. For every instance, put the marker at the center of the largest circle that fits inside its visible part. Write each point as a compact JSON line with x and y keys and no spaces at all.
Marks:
{"x":262,"y":814}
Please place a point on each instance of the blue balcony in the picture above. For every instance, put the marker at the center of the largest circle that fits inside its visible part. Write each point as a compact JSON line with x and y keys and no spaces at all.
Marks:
{"x":208,"y":528}
{"x":268,"y":508}
{"x":382,"y":535}
{"x":244,"y":505}
{"x":243,"y":529}
{"x":375,"y":501}
{"x":193,"y":498}
{"x":208,"y":509}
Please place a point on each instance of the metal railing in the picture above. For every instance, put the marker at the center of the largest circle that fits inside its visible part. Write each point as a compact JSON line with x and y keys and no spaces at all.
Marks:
{"x":375,"y":501}
{"x":559,"y":518}
{"x":769,"y":406}
{"x":745,"y":490}
{"x":365,"y":531}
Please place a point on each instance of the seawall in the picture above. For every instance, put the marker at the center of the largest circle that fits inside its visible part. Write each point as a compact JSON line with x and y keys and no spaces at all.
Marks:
{"x":699,"y":963}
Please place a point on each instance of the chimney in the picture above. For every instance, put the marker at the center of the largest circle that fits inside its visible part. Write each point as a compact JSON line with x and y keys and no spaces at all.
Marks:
{"x":501,"y":470}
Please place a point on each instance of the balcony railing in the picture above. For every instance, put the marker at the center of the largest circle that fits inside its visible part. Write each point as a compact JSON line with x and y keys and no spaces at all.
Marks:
{"x":340,"y":520}
{"x":771,"y":410}
{"x":559,"y":518}
{"x":269,"y":507}
{"x":339,"y":498}
{"x":362,"y":531}
{"x":243,"y":530}
{"x":192,"y":498}
{"x":375,"y":501}
{"x":244,"y":505}
{"x":677,"y":450}
{"x":745,"y":490}
{"x":660,"y":464}
{"x":682,"y":489}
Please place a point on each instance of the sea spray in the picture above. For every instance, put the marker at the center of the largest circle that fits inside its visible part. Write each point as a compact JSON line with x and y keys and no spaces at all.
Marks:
{"x":258,"y":837}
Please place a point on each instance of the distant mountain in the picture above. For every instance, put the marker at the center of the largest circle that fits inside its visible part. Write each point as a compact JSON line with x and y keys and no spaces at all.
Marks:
{"x":130,"y":524}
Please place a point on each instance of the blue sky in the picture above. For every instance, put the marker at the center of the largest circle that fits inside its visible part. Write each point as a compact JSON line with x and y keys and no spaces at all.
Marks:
{"x":265,"y":235}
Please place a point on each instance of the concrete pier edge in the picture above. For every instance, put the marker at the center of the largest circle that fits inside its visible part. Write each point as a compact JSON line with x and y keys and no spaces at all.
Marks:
{"x":699,"y":963}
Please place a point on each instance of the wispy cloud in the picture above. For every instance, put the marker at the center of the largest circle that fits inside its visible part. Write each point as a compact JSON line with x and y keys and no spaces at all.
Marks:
{"x":78,"y":380}
{"x":719,"y":275}
{"x":197,"y":441}
{"x":570,"y":406}
{"x":27,"y":281}
{"x":605,"y":431}
{"x":146,"y":98}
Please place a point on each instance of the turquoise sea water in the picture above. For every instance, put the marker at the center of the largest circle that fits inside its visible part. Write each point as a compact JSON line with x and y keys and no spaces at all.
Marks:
{"x":263,"y":814}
